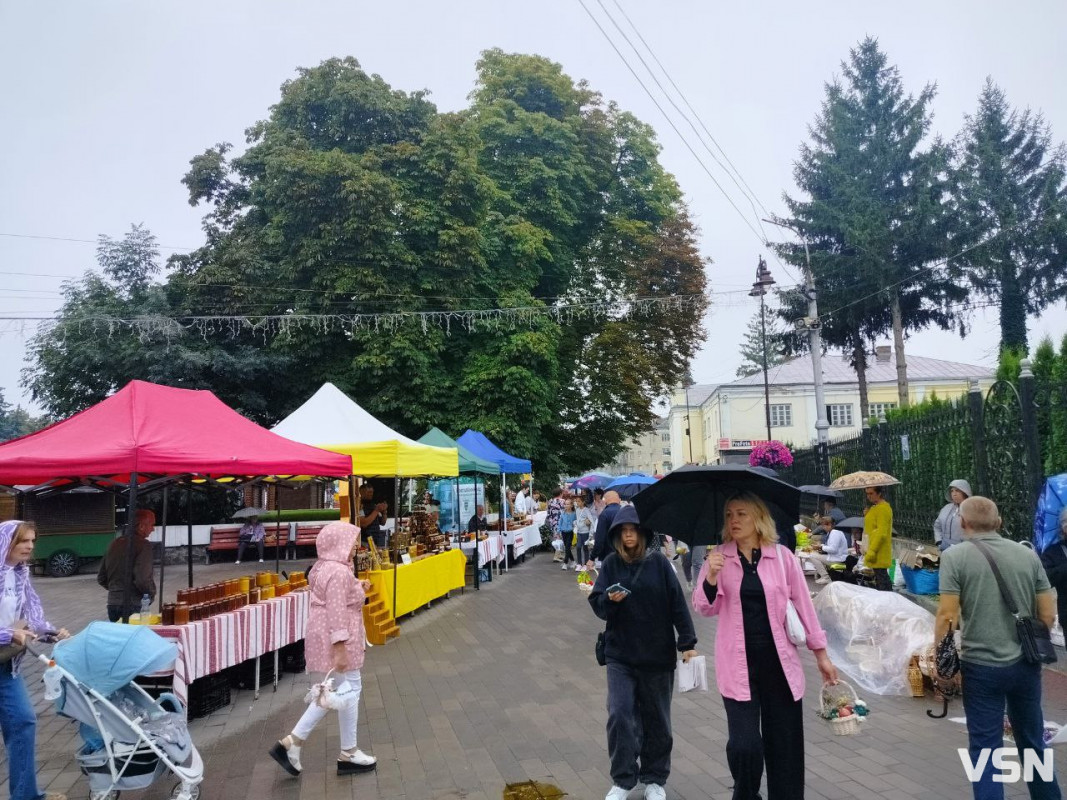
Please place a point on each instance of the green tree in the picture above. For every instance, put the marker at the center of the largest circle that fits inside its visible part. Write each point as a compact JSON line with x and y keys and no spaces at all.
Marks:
{"x":752,"y":346}
{"x":352,"y":197}
{"x":873,"y":212}
{"x":17,"y":421}
{"x":1010,"y":191}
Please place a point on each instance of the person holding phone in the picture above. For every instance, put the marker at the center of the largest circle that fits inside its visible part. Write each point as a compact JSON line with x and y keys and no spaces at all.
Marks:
{"x":21,"y":622}
{"x":638,"y":595}
{"x":747,"y":583}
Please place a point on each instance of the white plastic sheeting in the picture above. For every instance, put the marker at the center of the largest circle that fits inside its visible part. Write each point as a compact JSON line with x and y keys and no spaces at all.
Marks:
{"x":872,"y":635}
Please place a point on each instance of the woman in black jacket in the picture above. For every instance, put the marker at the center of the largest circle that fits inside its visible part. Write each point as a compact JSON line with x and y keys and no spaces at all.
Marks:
{"x":1055,"y":561}
{"x":641,"y":651}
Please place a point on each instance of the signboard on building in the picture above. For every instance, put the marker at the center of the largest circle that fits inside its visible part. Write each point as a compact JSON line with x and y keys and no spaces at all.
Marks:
{"x":739,"y":444}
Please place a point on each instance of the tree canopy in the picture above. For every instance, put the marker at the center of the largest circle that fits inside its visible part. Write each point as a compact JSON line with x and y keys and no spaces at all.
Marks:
{"x":354,"y":197}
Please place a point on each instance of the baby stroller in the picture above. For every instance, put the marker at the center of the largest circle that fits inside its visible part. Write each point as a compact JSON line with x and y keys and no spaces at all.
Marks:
{"x":130,"y":739}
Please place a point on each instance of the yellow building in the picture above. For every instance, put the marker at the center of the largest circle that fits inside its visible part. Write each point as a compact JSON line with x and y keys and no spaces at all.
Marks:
{"x":731,"y":419}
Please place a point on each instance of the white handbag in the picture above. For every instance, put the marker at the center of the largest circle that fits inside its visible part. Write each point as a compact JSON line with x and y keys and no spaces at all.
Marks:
{"x":794,"y":628}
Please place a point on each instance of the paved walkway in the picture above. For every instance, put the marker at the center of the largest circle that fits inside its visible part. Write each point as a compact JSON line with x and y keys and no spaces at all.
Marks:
{"x":500,"y":687}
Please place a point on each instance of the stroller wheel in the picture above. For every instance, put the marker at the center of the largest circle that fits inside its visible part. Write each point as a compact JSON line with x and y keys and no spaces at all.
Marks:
{"x":192,"y":794}
{"x":112,"y":795}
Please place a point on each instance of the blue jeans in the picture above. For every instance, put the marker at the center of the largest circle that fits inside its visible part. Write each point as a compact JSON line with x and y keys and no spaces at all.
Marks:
{"x":19,"y":726}
{"x":986,"y":691}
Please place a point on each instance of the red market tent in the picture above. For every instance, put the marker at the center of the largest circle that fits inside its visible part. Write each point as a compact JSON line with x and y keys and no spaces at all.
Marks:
{"x":156,"y":431}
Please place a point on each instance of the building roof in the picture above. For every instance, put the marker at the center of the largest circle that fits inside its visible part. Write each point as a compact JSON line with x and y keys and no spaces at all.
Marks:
{"x":699,"y":392}
{"x":837,"y":370}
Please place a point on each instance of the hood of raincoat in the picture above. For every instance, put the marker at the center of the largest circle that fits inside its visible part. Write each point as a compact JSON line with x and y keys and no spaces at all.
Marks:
{"x":335,"y":541}
{"x":627,"y":515}
{"x":962,"y":485}
{"x":7,"y":534}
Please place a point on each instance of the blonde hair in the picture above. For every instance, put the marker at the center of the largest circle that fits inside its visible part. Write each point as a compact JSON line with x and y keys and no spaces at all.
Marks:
{"x":765,"y":527}
{"x":981,"y":514}
{"x":22,"y":530}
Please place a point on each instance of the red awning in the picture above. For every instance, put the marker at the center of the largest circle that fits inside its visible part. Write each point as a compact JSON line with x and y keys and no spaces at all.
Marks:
{"x":158,"y":430}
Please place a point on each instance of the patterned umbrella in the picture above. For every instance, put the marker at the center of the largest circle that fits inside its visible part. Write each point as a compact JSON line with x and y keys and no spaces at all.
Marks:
{"x":863,"y":480}
{"x":593,"y":480}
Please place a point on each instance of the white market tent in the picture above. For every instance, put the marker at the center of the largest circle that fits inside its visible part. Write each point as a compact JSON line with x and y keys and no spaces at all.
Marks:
{"x":333,"y":421}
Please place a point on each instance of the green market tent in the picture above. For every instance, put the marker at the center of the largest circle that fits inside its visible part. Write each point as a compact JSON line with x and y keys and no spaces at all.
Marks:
{"x":469,"y":463}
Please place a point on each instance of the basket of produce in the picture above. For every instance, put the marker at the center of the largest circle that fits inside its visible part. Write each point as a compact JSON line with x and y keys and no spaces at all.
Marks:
{"x":586,"y":579}
{"x":842,"y":708}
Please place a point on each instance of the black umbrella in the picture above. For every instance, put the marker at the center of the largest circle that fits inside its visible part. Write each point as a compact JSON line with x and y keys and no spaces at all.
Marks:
{"x":690,"y":501}
{"x":851,"y":522}
{"x":821,"y":491}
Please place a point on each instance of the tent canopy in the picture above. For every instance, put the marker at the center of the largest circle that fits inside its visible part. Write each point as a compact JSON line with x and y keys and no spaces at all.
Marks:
{"x":469,"y":463}
{"x":159,"y":430}
{"x":332,"y":420}
{"x":481,"y":446}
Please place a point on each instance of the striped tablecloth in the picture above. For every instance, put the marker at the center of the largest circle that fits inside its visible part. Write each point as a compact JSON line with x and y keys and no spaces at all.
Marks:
{"x":488,"y":549}
{"x":225,"y":640}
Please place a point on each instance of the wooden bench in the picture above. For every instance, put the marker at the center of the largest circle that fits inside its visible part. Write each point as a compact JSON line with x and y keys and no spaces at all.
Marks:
{"x":224,"y":538}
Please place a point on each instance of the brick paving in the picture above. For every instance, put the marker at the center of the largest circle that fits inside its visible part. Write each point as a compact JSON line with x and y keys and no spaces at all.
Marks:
{"x":500,"y":687}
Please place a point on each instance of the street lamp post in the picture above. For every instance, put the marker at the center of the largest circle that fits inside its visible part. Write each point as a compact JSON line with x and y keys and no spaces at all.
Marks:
{"x":813,"y":328}
{"x":764,"y":281}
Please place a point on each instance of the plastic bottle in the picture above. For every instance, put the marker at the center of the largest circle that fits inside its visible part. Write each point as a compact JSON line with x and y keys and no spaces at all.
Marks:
{"x":146,"y":608}
{"x":52,"y":686}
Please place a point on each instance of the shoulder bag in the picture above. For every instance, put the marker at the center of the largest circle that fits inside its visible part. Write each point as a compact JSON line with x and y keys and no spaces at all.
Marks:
{"x":794,"y":628}
{"x":600,"y":650}
{"x":1033,"y":633}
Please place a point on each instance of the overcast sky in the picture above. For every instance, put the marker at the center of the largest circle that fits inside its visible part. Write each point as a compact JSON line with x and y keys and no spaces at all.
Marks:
{"x":106,"y":102}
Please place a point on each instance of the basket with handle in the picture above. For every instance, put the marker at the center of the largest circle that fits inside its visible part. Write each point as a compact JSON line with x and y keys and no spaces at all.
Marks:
{"x":585,"y":586}
{"x":833,"y":698}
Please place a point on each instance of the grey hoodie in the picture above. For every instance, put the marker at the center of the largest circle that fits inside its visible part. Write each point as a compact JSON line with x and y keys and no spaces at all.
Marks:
{"x":947,"y":529}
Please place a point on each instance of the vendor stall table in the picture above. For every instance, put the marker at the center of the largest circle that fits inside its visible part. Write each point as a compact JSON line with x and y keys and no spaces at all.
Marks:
{"x":522,"y":539}
{"x":209,"y":646}
{"x":420,"y":582}
{"x":489,"y":550}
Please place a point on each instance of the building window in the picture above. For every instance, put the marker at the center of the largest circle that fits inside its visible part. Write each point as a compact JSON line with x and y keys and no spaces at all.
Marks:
{"x":782,"y":415}
{"x":665,"y":437}
{"x":666,"y":451}
{"x":840,"y":415}
{"x":666,"y":466}
{"x":878,"y":409}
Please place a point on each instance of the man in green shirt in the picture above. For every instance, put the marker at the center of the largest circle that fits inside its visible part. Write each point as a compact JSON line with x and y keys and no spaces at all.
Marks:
{"x":995,"y":674}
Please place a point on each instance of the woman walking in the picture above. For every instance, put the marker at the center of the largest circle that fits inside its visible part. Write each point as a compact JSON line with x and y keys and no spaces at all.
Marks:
{"x":584,"y":522}
{"x":747,"y":583}
{"x":638,"y":595}
{"x":335,"y":642}
{"x":21,"y":621}
{"x":567,"y":519}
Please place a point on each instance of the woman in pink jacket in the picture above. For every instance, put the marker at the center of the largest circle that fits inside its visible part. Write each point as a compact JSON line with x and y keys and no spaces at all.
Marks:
{"x":336,"y":641}
{"x":746,"y":582}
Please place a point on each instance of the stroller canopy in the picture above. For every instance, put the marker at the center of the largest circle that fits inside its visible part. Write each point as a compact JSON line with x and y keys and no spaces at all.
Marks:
{"x":107,"y":655}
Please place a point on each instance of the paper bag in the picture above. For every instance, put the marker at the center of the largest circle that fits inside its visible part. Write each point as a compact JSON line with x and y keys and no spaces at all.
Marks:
{"x":693,"y":676}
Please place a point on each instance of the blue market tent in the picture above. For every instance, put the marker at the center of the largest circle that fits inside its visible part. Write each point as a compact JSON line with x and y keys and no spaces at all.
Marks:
{"x":1047,"y":520}
{"x":480,"y":445}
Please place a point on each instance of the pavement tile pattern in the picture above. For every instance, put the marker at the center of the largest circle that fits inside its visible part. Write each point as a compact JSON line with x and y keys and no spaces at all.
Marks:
{"x":499,"y":687}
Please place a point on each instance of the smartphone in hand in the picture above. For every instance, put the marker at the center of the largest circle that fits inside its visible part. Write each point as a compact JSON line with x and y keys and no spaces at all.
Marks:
{"x":618,"y":587}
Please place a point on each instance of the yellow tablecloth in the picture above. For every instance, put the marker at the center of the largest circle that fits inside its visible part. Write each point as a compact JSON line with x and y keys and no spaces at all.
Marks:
{"x":421,"y":581}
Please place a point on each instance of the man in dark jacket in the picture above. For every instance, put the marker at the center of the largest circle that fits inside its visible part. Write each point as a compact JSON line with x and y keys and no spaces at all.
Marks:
{"x":112,"y":573}
{"x":1054,"y":559}
{"x":601,"y":545}
{"x":641,"y":652}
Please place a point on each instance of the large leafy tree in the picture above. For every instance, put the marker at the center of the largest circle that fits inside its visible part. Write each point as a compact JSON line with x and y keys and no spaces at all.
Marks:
{"x":1011,"y":199}
{"x":874,"y":211}
{"x":17,"y":421}
{"x":352,"y":197}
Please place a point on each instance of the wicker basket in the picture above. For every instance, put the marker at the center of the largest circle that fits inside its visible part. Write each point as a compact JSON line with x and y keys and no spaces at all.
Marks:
{"x":831,"y":697}
{"x":915,"y":678}
{"x":588,"y":587}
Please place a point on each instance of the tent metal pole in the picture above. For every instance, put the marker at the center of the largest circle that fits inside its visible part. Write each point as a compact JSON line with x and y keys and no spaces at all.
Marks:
{"x":131,"y":529}
{"x":352,"y":499}
{"x":163,"y":552}
{"x":504,"y":526}
{"x":278,"y":538}
{"x":189,"y":530}
{"x":396,"y":534}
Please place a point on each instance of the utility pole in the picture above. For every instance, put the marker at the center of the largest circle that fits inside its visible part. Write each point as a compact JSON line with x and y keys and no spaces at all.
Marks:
{"x":763,"y":283}
{"x":813,"y":327}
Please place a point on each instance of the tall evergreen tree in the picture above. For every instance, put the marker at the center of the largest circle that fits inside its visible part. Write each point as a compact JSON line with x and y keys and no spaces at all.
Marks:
{"x":752,"y":346}
{"x":874,"y":211}
{"x":1010,"y":191}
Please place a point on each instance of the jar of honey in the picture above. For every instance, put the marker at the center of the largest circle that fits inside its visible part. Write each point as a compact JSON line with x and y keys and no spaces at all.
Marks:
{"x":168,"y":613}
{"x":181,"y":614}
{"x":245,"y":583}
{"x":253,"y":595}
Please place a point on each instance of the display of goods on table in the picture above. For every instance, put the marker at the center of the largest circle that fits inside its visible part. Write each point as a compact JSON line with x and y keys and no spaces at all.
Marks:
{"x":202,"y":602}
{"x":423,"y":537}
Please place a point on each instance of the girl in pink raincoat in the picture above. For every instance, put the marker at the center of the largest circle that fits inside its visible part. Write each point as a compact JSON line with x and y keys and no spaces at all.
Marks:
{"x":335,"y":641}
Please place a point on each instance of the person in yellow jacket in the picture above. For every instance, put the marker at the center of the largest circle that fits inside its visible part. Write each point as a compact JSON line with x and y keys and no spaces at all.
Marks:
{"x":878,"y":531}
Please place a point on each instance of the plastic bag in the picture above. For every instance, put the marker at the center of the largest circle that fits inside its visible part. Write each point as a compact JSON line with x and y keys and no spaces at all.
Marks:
{"x":693,"y":676}
{"x":871,"y":635}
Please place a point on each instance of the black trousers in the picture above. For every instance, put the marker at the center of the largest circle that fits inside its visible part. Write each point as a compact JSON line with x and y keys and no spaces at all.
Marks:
{"x":244,"y":543}
{"x":769,"y":729}
{"x":639,"y":724}
{"x":568,"y":537}
{"x":881,"y":580}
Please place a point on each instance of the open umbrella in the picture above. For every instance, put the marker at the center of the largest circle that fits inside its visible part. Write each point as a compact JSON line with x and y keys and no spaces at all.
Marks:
{"x":593,"y":480}
{"x":245,"y":513}
{"x":821,"y":491}
{"x":851,"y":522}
{"x":629,"y":485}
{"x":864,"y":480}
{"x":690,"y":501}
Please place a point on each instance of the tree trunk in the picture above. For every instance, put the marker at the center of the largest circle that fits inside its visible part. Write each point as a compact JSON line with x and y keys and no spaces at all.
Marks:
{"x":1012,"y":312}
{"x":898,"y":347}
{"x":859,"y":363}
